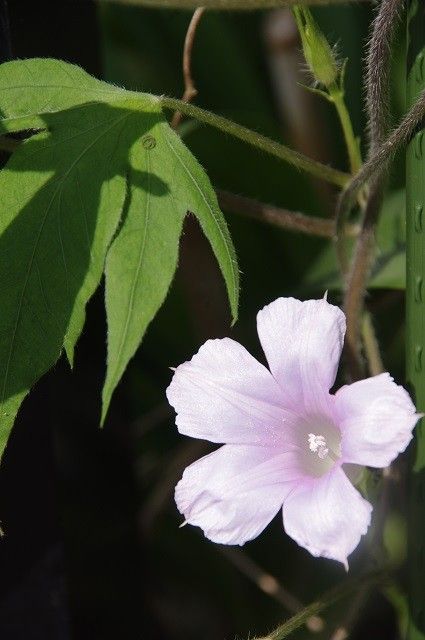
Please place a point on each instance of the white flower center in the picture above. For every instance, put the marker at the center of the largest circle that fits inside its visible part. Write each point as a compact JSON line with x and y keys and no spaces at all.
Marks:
{"x":317,"y":444}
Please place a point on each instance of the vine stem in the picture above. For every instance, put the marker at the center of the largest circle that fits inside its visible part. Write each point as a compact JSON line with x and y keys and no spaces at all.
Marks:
{"x":379,"y":161}
{"x":190,"y":91}
{"x":238,"y":5}
{"x":257,"y":140}
{"x":377,"y":105}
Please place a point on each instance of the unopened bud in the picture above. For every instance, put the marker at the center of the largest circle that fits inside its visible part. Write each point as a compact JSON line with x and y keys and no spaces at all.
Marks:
{"x":317,"y":50}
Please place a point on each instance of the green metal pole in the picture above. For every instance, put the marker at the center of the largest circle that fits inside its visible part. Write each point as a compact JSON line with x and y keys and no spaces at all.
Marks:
{"x":415,"y":193}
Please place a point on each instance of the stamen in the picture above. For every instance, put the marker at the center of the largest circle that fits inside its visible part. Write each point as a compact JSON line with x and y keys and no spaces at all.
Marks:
{"x":317,"y":444}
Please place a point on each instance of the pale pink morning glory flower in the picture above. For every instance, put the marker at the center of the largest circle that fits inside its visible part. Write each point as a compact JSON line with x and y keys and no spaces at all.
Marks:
{"x":285,"y":436}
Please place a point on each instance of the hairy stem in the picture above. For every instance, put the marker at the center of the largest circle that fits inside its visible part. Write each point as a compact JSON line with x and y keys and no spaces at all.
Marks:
{"x":276,"y":216}
{"x":378,"y":70}
{"x":363,"y":256}
{"x":240,"y":5}
{"x":258,"y":141}
{"x":329,"y":598}
{"x":377,"y":106}
{"x":190,"y":90}
{"x":379,"y":161}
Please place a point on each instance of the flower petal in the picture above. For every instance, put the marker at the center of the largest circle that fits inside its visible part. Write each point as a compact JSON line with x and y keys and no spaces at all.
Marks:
{"x":234,"y":492}
{"x":224,"y":395}
{"x":302,"y":342}
{"x":376,"y":418}
{"x":327,"y":516}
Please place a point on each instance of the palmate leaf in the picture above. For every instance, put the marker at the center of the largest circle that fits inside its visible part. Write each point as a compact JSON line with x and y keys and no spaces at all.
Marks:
{"x":105,"y":163}
{"x":142,"y":259}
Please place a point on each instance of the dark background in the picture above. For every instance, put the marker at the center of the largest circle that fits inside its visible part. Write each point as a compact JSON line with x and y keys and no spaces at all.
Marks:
{"x":92,"y":547}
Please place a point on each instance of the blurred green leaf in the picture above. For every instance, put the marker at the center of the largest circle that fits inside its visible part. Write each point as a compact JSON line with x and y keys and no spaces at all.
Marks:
{"x":389,"y":271}
{"x":395,"y":538}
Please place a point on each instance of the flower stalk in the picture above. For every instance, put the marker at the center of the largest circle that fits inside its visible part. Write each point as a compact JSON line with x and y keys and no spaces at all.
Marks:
{"x":329,"y":74}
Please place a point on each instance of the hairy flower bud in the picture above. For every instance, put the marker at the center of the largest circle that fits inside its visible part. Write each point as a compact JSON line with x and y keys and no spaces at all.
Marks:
{"x":317,"y":51}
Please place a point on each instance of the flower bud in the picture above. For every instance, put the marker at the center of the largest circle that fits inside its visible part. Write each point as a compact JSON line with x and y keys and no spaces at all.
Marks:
{"x":317,"y":51}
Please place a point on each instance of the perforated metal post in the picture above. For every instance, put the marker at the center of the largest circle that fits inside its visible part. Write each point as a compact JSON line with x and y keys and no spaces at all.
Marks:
{"x":415,"y":193}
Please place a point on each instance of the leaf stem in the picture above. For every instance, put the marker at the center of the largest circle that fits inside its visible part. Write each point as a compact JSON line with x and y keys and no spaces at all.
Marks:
{"x":258,"y":141}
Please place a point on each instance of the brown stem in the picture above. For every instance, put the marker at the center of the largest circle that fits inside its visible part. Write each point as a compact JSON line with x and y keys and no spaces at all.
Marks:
{"x":371,"y":346}
{"x":190,"y":90}
{"x":357,"y":278}
{"x":291,"y":220}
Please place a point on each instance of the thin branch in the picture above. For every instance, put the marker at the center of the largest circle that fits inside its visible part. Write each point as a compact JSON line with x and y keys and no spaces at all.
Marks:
{"x":290,"y":220}
{"x":269,"y":585}
{"x":258,"y":141}
{"x":190,"y":90}
{"x":238,"y":5}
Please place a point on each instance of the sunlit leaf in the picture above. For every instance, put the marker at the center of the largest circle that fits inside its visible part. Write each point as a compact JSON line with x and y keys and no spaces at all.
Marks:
{"x":102,"y":155}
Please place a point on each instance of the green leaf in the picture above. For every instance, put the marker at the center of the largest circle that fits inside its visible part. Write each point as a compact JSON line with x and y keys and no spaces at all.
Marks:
{"x":31,"y":88}
{"x":64,"y":192}
{"x":142,"y":259}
